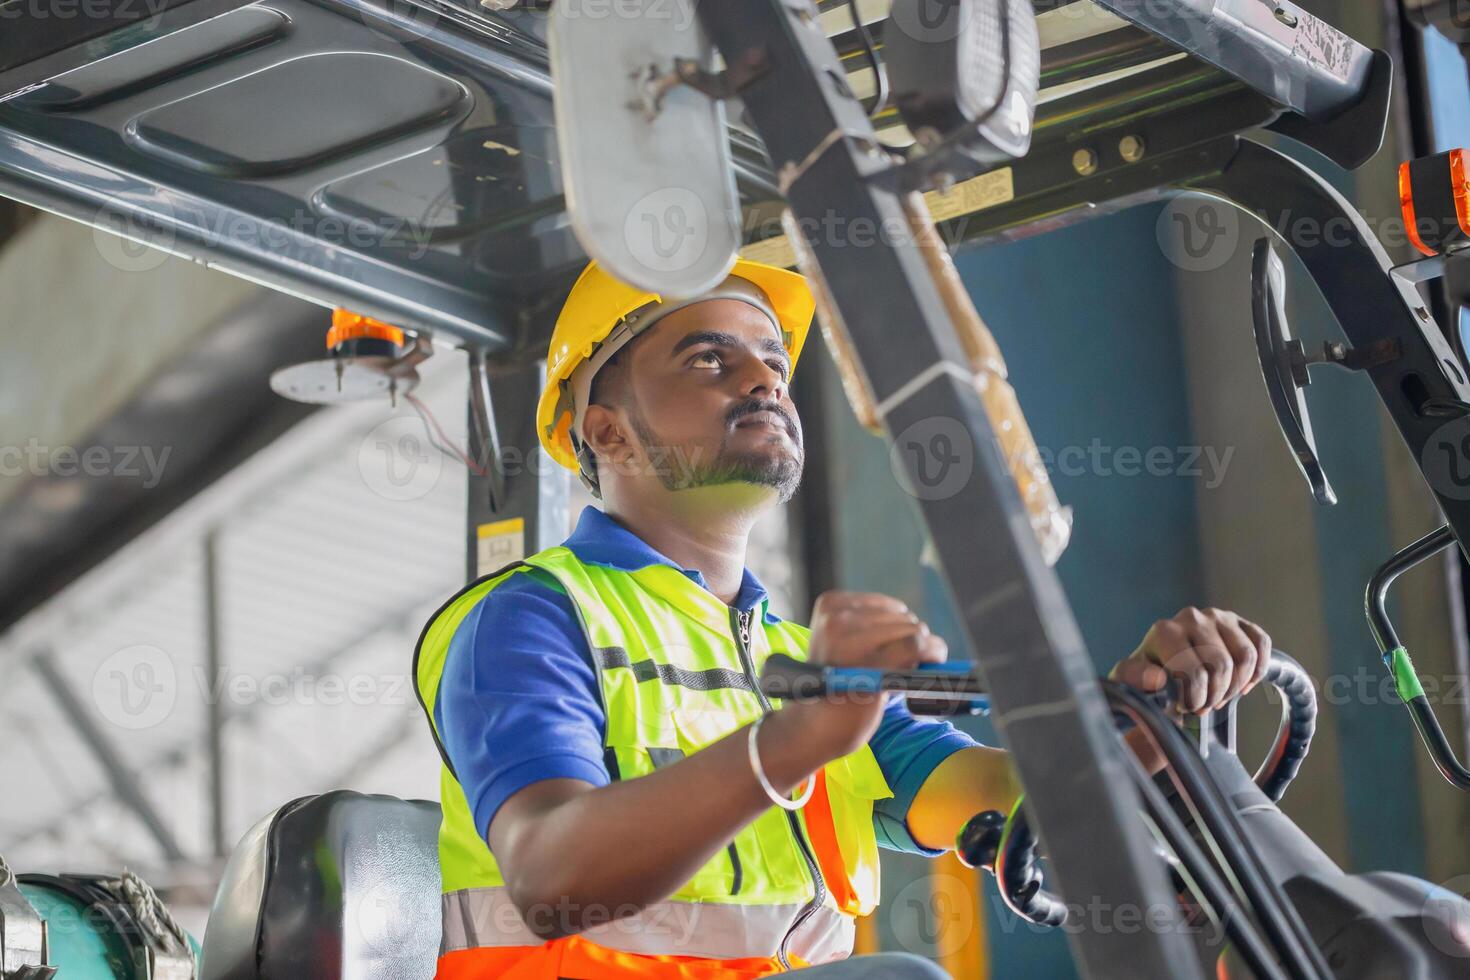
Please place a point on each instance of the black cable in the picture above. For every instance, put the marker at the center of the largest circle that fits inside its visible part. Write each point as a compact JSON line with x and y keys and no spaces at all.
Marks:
{"x":870,"y":50}
{"x":1277,"y":915}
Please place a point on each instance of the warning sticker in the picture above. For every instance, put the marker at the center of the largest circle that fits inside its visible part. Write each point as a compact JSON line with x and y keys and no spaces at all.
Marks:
{"x":772,"y":251}
{"x":975,"y":194}
{"x":498,"y":544}
{"x":1323,"y":45}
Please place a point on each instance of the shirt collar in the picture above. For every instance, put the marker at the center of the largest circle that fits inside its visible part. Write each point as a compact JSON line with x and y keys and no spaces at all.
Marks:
{"x":601,"y":540}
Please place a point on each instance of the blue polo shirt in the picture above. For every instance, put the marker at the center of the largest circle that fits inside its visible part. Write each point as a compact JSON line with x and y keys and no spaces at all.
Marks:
{"x":519,"y":702}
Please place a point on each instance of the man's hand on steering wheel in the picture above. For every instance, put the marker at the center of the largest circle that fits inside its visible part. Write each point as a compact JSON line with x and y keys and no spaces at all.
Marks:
{"x":1215,"y":654}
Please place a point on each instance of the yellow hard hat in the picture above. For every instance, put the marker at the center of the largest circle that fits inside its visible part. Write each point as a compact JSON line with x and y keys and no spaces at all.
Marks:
{"x":599,"y":302}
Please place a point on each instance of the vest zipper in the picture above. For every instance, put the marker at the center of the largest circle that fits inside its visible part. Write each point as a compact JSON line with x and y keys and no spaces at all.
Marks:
{"x":741,"y":622}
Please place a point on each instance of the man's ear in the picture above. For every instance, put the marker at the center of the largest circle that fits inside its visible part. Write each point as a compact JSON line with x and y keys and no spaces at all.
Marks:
{"x":603,"y":432}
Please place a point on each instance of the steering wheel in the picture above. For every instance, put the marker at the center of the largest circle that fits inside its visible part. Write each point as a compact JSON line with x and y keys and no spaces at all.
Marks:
{"x":1007,"y":846}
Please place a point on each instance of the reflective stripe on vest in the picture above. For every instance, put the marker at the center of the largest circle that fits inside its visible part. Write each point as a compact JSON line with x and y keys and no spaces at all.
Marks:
{"x":478,"y":917}
{"x":672,"y":680}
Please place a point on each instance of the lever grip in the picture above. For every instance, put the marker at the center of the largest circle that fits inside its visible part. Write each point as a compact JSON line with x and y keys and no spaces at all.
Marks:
{"x":784,"y":676}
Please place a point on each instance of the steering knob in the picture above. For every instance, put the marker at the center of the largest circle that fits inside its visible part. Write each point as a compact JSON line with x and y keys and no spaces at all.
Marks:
{"x":984,"y":843}
{"x":979,"y":841}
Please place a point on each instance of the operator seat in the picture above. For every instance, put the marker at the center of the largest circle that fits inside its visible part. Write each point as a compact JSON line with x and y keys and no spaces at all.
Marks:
{"x":341,"y":886}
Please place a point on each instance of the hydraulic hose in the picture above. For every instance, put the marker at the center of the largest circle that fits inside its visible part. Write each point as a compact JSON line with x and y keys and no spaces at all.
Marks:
{"x":1205,"y":881}
{"x":1278,"y":917}
{"x":1298,"y":724}
{"x":1009,"y":845}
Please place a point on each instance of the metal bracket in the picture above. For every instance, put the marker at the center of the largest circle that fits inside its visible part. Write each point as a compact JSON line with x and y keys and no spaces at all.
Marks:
{"x":655,"y":83}
{"x":23,"y":947}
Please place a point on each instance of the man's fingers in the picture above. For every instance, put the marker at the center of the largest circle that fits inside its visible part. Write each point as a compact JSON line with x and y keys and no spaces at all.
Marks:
{"x":908,"y":651}
{"x":1142,"y":674}
{"x":1172,"y":646}
{"x":894,"y":647}
{"x":833,"y":601}
{"x":1215,"y":654}
{"x":1219,"y":671}
{"x":1212,"y":653}
{"x":857,"y":619}
{"x":1262,"y":641}
{"x":934,"y":650}
{"x":1243,"y":656}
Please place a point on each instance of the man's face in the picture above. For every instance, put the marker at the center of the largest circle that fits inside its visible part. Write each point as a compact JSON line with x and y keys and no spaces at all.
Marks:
{"x":705,"y":394}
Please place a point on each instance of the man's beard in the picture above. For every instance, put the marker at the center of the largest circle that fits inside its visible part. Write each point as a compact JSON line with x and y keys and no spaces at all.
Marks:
{"x":677,"y":470}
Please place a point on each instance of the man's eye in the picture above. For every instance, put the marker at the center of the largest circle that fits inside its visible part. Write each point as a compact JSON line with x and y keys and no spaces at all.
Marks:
{"x":707,"y":357}
{"x":781,"y":366}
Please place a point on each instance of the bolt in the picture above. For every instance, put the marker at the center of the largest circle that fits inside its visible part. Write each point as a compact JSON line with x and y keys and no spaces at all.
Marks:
{"x":1084,"y":161}
{"x":1132,"y":148}
{"x":1285,"y":16}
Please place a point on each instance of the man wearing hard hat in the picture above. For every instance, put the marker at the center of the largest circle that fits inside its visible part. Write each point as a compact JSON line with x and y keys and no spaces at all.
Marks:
{"x":620,"y":800}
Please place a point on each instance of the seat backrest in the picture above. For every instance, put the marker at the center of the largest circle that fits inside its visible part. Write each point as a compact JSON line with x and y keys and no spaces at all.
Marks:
{"x":340,"y":886}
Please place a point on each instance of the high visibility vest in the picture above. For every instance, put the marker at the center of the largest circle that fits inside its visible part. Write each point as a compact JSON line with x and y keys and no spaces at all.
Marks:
{"x":676,"y":670}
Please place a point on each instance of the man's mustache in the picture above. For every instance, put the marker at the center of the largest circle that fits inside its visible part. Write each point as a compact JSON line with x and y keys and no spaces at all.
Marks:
{"x":750,"y":408}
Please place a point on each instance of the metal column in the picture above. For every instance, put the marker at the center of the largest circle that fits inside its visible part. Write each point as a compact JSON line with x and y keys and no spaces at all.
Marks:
{"x":124,"y":783}
{"x":215,"y":706}
{"x":1044,"y":693}
{"x":523,"y":508}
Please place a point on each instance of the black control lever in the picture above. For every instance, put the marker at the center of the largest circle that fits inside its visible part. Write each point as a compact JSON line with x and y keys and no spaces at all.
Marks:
{"x":946,"y":688}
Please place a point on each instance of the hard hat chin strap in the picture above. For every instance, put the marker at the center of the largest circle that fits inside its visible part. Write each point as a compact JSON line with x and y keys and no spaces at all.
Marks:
{"x":579,"y":384}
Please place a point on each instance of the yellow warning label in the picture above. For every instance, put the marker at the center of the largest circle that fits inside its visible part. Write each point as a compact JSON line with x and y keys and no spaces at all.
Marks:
{"x":499,"y":543}
{"x":975,"y":194}
{"x":775,"y":250}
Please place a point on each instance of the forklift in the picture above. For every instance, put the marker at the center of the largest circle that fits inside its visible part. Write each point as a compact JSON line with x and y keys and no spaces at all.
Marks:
{"x":481,"y":152}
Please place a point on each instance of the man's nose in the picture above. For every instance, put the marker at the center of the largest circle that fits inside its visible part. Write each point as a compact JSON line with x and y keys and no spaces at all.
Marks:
{"x":761,"y":378}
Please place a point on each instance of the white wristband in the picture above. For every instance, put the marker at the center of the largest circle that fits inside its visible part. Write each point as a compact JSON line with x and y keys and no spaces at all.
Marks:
{"x":760,"y":774}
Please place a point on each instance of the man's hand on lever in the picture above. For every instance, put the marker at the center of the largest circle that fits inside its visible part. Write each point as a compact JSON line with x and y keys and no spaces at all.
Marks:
{"x":859,"y":629}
